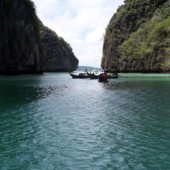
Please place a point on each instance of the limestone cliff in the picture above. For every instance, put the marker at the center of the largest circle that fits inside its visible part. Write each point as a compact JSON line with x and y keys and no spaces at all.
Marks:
{"x":58,"y":54}
{"x":20,"y":47}
{"x":137,"y":38}
{"x":26,"y":46}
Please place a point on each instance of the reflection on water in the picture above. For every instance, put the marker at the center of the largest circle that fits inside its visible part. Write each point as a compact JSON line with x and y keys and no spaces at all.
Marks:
{"x":55,"y":122}
{"x":15,"y":91}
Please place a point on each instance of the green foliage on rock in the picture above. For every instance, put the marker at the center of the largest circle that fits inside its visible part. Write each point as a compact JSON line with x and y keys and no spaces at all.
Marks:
{"x":58,"y":54}
{"x":138,"y":37}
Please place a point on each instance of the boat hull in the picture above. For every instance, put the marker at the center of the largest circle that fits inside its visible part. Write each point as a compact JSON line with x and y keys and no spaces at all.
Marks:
{"x":79,"y":76}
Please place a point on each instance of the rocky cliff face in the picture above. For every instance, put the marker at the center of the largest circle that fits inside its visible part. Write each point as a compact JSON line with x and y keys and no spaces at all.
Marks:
{"x":20,"y":47}
{"x":26,"y":46}
{"x":58,"y":54}
{"x":138,"y":37}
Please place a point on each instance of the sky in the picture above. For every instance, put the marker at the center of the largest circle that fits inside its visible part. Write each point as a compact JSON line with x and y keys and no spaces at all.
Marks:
{"x":81,"y":23}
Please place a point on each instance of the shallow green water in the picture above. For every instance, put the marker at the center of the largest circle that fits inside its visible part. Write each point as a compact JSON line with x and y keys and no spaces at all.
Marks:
{"x":52,"y":122}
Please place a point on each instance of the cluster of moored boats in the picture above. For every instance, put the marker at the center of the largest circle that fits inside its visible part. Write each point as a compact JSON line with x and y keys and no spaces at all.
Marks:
{"x":102,"y":76}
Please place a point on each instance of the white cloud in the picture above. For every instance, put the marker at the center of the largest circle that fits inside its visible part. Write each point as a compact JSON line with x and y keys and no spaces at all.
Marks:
{"x":81,"y":23}
{"x":94,"y":36}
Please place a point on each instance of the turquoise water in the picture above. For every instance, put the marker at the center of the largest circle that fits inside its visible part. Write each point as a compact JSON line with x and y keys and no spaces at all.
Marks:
{"x":52,"y":122}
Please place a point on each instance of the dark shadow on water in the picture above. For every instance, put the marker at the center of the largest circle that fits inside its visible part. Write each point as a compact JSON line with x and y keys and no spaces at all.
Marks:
{"x":21,"y":90}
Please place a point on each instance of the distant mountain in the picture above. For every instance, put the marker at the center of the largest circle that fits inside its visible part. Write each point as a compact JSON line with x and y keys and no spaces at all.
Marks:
{"x":83,"y":68}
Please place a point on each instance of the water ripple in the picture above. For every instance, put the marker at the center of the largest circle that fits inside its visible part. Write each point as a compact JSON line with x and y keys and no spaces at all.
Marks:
{"x":54,"y":122}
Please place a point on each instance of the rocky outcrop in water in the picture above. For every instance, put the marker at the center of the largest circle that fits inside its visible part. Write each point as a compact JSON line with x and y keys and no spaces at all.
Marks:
{"x":137,"y":38}
{"x":28,"y":47}
{"x":20,"y":47}
{"x":58,"y":54}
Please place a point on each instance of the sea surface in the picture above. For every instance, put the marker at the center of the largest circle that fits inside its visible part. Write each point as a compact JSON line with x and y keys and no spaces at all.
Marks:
{"x":54,"y":122}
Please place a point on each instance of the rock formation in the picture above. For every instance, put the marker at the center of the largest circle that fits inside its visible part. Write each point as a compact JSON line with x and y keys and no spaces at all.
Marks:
{"x":137,"y":38}
{"x":20,"y":47}
{"x":28,"y":47}
{"x":58,"y":54}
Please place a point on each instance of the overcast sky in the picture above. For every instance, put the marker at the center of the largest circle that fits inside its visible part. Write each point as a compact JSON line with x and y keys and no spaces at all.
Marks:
{"x":81,"y":23}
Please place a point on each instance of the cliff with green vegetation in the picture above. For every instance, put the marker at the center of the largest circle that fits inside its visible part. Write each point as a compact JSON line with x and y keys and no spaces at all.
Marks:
{"x":28,"y":47}
{"x":58,"y":54}
{"x":20,"y":47}
{"x":137,"y":38}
